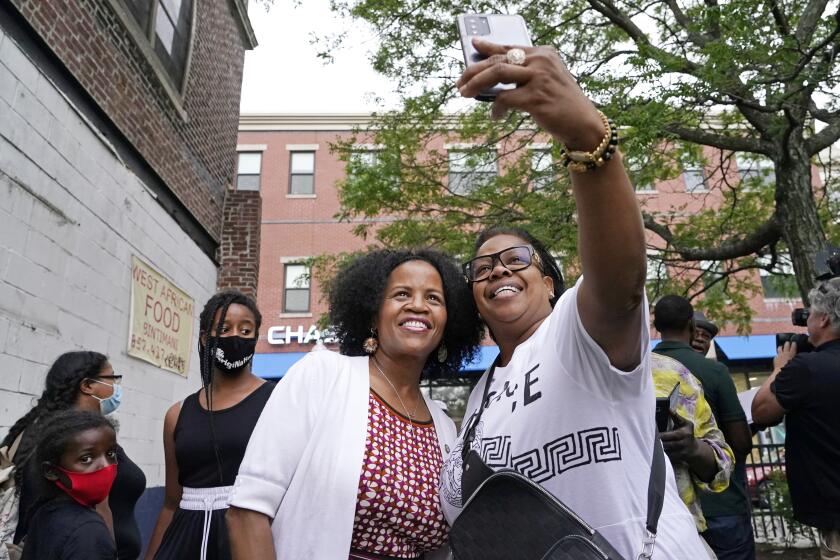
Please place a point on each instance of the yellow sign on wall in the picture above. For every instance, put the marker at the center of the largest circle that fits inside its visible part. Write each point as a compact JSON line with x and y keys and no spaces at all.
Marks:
{"x":162,"y":318}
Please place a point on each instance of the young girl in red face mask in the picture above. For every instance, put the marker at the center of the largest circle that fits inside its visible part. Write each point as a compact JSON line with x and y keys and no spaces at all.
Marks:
{"x":77,"y":455}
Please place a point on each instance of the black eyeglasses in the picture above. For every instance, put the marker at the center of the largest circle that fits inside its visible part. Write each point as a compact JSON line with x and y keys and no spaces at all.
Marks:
{"x":512,"y":258}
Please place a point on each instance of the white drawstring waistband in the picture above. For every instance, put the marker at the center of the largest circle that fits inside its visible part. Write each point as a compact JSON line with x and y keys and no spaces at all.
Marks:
{"x":206,"y":500}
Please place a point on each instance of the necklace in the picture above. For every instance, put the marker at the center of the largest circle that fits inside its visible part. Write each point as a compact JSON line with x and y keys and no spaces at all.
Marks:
{"x":411,"y":416}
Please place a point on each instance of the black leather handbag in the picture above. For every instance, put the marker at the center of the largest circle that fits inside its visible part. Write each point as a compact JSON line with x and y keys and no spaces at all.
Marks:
{"x":508,"y":516}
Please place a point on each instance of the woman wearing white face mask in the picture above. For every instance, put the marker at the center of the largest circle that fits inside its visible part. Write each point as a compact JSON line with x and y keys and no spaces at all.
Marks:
{"x":82,"y":381}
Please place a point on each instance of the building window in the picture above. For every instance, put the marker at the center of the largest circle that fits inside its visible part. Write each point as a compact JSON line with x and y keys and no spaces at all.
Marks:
{"x":780,"y":282}
{"x":469,"y":170}
{"x":248,"y":171}
{"x":302,"y":180}
{"x":296,"y":288}
{"x":657,"y":271}
{"x":542,"y":167}
{"x":644,"y":187}
{"x":365,"y":158}
{"x":636,"y":167}
{"x":695,"y":180}
{"x":755,"y":172}
{"x":167,"y":24}
{"x":711,"y":276}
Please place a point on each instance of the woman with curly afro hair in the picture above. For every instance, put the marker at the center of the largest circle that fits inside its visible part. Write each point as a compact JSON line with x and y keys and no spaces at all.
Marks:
{"x":345,"y":459}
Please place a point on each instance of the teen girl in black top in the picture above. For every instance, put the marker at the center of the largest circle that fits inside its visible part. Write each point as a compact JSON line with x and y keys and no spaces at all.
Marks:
{"x":206,"y":434}
{"x":82,"y":381}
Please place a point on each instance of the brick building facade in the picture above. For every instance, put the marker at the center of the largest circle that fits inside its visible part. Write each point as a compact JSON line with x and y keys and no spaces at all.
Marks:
{"x":118,"y":124}
{"x":298,"y":225}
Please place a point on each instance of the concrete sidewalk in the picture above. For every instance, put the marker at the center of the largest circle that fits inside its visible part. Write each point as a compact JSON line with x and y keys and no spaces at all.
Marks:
{"x":765,"y":552}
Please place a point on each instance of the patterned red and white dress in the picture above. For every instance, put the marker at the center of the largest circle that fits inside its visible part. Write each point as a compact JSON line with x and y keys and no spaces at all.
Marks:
{"x":398,"y":514}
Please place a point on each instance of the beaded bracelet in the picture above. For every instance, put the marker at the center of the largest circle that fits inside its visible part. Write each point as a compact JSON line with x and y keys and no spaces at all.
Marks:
{"x":580,"y":162}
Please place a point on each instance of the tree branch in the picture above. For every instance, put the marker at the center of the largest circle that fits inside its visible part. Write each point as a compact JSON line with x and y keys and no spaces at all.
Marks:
{"x":699,"y":39}
{"x":807,"y":57}
{"x":823,"y":139}
{"x":780,"y":18}
{"x":766,"y":234}
{"x":733,"y":143}
{"x":621,"y":20}
{"x":809,"y":19}
{"x":821,"y":114}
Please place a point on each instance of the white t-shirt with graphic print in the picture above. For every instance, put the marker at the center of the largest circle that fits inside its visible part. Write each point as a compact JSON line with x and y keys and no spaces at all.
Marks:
{"x":562,"y":415}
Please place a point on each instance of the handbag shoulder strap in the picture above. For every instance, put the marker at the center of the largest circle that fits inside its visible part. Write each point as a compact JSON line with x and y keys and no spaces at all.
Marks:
{"x":13,"y":449}
{"x":469,"y":434}
{"x":656,"y":497}
{"x":7,"y":454}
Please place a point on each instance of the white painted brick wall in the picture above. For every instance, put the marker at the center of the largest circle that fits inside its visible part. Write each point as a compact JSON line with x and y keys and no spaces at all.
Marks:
{"x":65,"y":276}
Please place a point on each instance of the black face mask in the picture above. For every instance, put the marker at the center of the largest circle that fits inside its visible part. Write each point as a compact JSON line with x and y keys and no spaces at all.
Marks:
{"x":233,"y":353}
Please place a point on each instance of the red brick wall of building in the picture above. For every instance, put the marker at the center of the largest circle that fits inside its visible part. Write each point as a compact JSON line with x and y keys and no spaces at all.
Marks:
{"x":194,"y":153}
{"x":239,"y":251}
{"x":295,"y":226}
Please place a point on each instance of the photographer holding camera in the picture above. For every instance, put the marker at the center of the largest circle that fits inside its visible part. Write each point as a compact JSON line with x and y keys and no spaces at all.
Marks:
{"x":804,"y":389}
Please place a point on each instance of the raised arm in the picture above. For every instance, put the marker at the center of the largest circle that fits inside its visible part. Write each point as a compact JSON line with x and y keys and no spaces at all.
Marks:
{"x":611,"y":233}
{"x":172,"y":496}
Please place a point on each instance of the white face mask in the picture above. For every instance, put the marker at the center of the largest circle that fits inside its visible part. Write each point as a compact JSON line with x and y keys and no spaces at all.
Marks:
{"x":112,"y":403}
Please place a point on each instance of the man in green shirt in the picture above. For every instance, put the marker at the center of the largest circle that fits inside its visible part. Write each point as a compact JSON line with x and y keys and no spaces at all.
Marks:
{"x":727,"y":514}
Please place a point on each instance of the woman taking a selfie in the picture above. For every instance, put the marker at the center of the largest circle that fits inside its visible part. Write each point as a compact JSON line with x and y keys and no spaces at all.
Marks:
{"x":570,"y":403}
{"x":205,"y":435}
{"x":345,"y":460}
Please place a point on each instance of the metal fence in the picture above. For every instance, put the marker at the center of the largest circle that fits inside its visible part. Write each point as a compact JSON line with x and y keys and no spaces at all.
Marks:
{"x":767,"y":488}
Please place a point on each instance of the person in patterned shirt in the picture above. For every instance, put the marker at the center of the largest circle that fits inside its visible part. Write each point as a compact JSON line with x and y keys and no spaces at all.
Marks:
{"x":701,"y":458}
{"x":345,"y":461}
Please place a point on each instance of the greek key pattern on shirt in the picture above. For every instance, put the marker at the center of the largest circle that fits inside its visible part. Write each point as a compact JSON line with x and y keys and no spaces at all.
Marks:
{"x":595,"y":445}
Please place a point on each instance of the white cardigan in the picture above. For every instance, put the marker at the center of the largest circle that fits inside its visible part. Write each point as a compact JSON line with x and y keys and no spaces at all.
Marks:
{"x":304,"y":458}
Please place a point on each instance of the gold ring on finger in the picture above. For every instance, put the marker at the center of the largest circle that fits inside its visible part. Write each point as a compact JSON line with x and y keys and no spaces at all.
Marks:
{"x":515,"y":56}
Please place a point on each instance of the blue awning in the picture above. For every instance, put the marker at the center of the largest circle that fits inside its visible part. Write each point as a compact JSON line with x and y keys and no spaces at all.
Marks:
{"x":755,"y":347}
{"x":730,"y":348}
{"x":274,"y":365}
{"x":483,"y":359}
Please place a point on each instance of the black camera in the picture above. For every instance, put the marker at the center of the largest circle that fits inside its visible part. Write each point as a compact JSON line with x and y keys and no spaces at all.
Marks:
{"x":828,"y":267}
{"x":801,"y":340}
{"x":800,"y":315}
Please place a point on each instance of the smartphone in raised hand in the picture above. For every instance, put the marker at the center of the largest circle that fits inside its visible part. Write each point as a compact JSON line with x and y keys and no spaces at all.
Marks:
{"x":665,"y":406}
{"x":503,"y":29}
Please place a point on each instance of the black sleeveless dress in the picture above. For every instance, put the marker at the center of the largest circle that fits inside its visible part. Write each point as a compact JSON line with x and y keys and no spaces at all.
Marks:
{"x":198,"y":468}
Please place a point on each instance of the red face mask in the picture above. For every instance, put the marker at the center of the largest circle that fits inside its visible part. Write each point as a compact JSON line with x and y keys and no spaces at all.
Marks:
{"x":89,"y":488}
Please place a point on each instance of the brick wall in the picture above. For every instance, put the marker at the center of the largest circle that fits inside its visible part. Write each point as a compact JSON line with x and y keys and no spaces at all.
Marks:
{"x":239,"y":252}
{"x":193,"y":153}
{"x":72,"y":215}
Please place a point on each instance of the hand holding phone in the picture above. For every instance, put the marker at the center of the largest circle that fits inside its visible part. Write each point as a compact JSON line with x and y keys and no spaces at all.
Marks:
{"x":502,"y":29}
{"x":665,"y":406}
{"x":679,"y":442}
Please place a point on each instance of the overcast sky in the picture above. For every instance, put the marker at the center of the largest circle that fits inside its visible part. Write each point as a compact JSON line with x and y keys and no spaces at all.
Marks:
{"x":283,"y":75}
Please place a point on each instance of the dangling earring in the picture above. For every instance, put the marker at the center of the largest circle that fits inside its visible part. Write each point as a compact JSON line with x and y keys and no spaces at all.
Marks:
{"x":371,"y":343}
{"x":442,"y":353}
